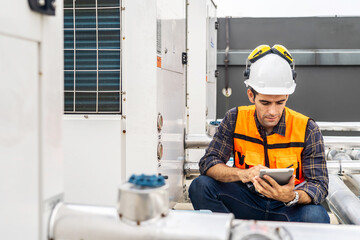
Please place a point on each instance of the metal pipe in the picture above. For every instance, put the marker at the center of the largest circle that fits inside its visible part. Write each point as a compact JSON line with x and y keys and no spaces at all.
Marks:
{"x":339,"y":126}
{"x":244,"y":229}
{"x":355,"y":154}
{"x":342,"y":142}
{"x":343,"y":167}
{"x":354,"y":179}
{"x":342,"y":202}
{"x":191,"y":168}
{"x":330,"y":154}
{"x":197,"y":141}
{"x":74,"y":222}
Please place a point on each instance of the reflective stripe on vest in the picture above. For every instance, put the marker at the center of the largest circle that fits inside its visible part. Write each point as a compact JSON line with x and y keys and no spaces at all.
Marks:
{"x":276,"y":151}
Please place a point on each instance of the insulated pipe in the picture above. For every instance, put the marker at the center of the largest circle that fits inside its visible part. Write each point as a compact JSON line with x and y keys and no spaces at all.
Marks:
{"x":74,"y":222}
{"x":255,"y":230}
{"x":355,"y":180}
{"x":343,"y":166}
{"x":197,"y":141}
{"x":352,"y":166}
{"x":342,"y":142}
{"x":339,"y":126}
{"x":342,"y":202}
{"x":330,"y":154}
{"x":355,"y":154}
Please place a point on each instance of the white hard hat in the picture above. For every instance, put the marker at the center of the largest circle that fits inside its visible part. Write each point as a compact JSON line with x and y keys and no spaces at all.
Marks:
{"x":271,"y":75}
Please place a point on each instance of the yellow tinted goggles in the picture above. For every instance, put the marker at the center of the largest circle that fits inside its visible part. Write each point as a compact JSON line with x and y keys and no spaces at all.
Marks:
{"x":263,"y":50}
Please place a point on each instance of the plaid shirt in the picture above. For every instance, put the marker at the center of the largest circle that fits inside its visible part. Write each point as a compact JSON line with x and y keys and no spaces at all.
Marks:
{"x":313,"y":156}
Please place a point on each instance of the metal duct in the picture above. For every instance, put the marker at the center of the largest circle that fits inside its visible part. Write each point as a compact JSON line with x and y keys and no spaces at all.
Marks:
{"x":342,"y":202}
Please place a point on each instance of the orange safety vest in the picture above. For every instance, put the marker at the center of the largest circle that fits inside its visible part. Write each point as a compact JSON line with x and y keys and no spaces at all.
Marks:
{"x":275,"y":151}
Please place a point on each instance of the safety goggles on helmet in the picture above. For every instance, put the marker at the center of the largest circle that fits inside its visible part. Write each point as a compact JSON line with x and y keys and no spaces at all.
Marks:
{"x":271,"y":75}
{"x":263,"y":50}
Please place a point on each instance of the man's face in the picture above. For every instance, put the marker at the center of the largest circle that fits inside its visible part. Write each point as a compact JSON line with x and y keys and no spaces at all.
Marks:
{"x":269,"y":108}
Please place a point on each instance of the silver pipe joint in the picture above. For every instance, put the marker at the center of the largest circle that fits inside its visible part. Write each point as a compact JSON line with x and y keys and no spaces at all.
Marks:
{"x":191,"y":168}
{"x":342,"y":202}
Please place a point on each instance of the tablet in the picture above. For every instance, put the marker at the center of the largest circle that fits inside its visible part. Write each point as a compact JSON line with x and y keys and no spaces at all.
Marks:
{"x":280,"y":175}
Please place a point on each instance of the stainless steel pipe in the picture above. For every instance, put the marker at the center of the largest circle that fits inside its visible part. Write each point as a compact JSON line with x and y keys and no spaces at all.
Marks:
{"x":339,"y":126}
{"x":342,"y":142}
{"x":243,"y":229}
{"x":343,"y":166}
{"x":191,"y":168}
{"x":342,"y":202}
{"x":197,"y":141}
{"x":74,"y":222}
{"x":354,"y":179}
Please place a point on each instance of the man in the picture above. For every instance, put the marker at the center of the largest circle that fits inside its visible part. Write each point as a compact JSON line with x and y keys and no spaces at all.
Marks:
{"x":265,"y":135}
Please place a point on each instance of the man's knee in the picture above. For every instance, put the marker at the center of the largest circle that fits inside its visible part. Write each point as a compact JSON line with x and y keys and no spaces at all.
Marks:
{"x":201,"y":185}
{"x":315,"y":214}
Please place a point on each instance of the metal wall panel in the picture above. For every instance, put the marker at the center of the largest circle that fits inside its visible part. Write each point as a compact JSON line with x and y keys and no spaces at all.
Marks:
{"x":325,"y":93}
{"x":30,"y":124}
{"x":170,"y":87}
{"x":19,"y":139}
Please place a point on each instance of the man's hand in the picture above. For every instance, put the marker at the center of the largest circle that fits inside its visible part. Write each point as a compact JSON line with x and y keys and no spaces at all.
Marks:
{"x":273,"y":190}
{"x":247,"y":175}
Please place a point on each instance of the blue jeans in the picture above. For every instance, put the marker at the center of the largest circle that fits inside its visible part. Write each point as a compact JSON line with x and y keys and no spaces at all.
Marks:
{"x":207,"y":193}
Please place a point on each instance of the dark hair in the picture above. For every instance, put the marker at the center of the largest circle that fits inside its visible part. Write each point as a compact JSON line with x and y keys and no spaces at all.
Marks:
{"x":253,"y":91}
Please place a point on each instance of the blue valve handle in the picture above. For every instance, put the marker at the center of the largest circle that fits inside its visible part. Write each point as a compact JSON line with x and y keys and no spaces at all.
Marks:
{"x":215,"y":123}
{"x":147,"y":180}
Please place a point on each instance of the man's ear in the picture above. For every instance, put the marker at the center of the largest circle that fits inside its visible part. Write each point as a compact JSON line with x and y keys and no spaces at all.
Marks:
{"x":250,"y":96}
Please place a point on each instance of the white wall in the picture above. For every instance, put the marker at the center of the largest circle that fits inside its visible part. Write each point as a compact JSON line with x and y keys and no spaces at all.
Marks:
{"x":287,"y":8}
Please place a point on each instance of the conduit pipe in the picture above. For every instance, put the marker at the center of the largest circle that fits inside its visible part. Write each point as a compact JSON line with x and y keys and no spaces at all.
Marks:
{"x":342,"y":202}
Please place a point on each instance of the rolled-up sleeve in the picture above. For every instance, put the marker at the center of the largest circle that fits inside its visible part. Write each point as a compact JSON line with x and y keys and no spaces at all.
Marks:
{"x":222,"y":144}
{"x":314,"y":164}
